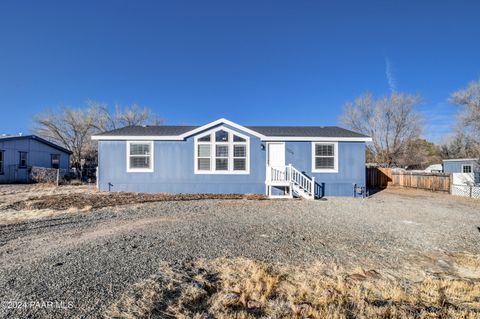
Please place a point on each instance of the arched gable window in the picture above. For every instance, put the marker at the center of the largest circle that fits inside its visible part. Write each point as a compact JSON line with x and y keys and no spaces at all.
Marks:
{"x":222,"y":151}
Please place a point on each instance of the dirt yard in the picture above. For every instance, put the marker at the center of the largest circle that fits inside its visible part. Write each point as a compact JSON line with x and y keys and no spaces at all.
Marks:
{"x":23,"y":202}
{"x":400,"y":254}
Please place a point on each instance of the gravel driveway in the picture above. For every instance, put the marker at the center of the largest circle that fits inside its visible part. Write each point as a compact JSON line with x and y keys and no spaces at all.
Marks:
{"x":77,"y":264}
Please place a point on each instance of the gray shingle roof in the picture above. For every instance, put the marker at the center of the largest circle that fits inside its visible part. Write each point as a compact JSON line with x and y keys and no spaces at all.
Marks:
{"x":161,"y":130}
{"x":291,"y":131}
{"x":5,"y":138}
{"x":305,"y":131}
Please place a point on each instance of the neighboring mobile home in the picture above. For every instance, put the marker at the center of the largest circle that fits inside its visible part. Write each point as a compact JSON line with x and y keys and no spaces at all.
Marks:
{"x":468,"y":166}
{"x":225,"y":157}
{"x":18,"y":154}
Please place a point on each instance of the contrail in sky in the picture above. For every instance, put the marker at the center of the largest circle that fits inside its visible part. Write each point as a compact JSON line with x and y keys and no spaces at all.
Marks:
{"x":392,"y":82}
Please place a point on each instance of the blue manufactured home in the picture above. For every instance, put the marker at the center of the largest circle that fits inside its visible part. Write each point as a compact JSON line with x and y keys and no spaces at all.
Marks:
{"x":463,"y":165}
{"x":223,"y":157}
{"x":19,"y":153}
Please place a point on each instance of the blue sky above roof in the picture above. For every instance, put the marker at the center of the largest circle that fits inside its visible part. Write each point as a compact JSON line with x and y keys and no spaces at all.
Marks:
{"x":254,"y":62}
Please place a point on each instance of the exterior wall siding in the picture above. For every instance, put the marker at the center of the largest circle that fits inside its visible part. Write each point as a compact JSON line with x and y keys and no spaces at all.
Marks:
{"x":351,"y":166}
{"x":456,"y":166}
{"x":38,"y":154}
{"x":174,"y":169}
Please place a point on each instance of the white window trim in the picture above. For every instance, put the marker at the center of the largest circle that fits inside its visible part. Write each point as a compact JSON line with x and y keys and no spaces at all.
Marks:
{"x":230,"y":143}
{"x":471,"y":168}
{"x":335,"y":158}
{"x":152,"y":158}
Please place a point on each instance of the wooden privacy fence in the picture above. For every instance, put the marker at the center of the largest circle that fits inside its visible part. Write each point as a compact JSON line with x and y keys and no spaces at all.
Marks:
{"x":384,"y":177}
{"x":437,"y":182}
{"x":379,"y":177}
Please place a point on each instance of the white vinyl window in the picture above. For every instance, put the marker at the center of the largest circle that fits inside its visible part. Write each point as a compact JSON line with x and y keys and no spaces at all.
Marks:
{"x":221,"y":157}
{"x":204,"y":157}
{"x":467,"y":169}
{"x":325,"y":157}
{"x":140,"y":156}
{"x":221,"y":151}
{"x":239,"y":157}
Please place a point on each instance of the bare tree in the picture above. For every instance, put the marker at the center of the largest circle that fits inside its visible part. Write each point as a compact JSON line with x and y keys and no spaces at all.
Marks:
{"x":125,"y":116}
{"x":469,"y":99}
{"x":466,"y":140}
{"x":73,"y":127}
{"x":419,"y":154}
{"x":135,"y":115}
{"x":391,"y":121}
{"x":460,"y":146}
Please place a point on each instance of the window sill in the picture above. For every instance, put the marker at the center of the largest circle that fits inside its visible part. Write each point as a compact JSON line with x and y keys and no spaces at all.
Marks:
{"x":222,"y":172}
{"x":140,"y":170}
{"x":326,"y":170}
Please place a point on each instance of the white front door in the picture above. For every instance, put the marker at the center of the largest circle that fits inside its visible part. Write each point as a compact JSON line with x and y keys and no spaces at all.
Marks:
{"x":276,"y":154}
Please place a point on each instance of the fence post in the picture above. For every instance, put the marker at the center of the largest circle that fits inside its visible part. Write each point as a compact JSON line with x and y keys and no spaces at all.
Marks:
{"x":58,"y":176}
{"x":471,"y":189}
{"x":450,"y":184}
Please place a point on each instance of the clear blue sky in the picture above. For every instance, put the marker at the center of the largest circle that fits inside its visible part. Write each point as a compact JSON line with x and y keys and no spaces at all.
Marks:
{"x":254,"y":62}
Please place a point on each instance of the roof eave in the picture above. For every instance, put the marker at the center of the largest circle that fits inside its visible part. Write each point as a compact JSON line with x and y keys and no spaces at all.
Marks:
{"x":460,"y":159}
{"x":136,"y":138}
{"x":266,"y":138}
{"x":316,"y":139}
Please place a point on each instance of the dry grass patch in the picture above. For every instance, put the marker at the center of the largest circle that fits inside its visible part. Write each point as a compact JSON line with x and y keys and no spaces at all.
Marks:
{"x":467,"y":260}
{"x":99,"y":200}
{"x":241,"y":288}
{"x":19,"y":203}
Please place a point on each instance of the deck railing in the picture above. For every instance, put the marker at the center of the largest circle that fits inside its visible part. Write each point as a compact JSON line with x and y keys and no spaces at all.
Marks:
{"x":292,"y":176}
{"x":304,"y":182}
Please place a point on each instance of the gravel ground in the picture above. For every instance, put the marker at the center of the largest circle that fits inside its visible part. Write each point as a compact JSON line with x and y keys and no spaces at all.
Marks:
{"x":20,"y":203}
{"x":79,"y":263}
